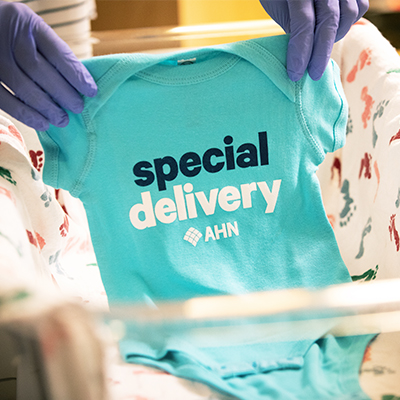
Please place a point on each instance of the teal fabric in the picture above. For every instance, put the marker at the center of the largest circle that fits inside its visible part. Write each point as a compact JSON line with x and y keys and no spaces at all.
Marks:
{"x":197,"y":172}
{"x":328,"y":371}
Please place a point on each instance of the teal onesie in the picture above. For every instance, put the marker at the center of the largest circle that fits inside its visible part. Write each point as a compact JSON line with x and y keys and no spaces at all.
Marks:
{"x":197,"y":172}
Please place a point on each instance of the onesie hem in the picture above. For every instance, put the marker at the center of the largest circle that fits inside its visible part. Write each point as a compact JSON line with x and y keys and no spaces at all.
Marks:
{"x":50,"y":174}
{"x":350,"y":379}
{"x":347,"y":386}
{"x":76,"y":189}
{"x":303,"y":121}
{"x":342,"y":117}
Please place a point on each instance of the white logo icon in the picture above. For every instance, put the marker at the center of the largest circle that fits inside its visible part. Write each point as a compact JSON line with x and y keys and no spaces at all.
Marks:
{"x":192,"y":236}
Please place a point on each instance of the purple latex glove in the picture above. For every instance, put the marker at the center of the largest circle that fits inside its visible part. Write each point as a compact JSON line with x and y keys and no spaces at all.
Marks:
{"x":314,"y":26}
{"x":40,"y":69}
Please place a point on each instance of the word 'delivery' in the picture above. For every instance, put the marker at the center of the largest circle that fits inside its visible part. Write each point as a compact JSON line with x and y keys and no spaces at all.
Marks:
{"x":186,"y":203}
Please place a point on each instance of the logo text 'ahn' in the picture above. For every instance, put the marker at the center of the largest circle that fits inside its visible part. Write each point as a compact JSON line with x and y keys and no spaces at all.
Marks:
{"x":215,"y":233}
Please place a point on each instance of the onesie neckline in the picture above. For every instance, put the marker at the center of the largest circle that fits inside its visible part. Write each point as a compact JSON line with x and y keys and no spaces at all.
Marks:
{"x":193,"y":68}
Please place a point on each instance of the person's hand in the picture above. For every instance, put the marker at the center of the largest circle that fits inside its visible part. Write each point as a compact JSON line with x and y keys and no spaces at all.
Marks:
{"x":314,"y":26}
{"x":39,"y":74}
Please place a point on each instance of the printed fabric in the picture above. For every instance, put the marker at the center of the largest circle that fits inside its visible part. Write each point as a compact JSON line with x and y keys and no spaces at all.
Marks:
{"x":34,"y":314}
{"x":360,"y":186}
{"x":197,"y":172}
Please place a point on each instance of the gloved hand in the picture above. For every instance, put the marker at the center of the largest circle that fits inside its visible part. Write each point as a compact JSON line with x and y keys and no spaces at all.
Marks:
{"x":40,"y":69}
{"x":314,"y":26}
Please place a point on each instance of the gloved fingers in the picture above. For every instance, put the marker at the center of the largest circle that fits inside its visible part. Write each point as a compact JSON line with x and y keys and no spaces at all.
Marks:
{"x":363,"y":6}
{"x":350,"y":12}
{"x":302,"y":25}
{"x":314,"y":26}
{"x":36,"y":67}
{"x":57,"y":53}
{"x":17,"y":109}
{"x":33,"y":96}
{"x":348,"y":15}
{"x":327,"y":24}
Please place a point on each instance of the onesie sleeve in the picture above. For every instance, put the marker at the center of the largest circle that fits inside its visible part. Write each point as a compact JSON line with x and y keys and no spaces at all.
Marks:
{"x":69,"y":150}
{"x":66,"y":154}
{"x":324,"y":110}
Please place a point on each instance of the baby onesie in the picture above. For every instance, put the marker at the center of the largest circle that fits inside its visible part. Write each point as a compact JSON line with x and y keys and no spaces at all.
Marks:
{"x":197,"y":172}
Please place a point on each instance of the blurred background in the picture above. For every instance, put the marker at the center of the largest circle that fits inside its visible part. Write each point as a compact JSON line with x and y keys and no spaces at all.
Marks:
{"x":135,"y":25}
{"x":385,"y":14}
{"x":128,"y":14}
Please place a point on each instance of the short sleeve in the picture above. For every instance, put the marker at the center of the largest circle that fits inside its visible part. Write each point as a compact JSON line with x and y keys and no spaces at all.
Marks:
{"x":67,"y":151}
{"x":325,"y":110}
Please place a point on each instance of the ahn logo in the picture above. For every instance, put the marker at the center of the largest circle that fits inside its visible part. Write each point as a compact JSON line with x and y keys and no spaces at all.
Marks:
{"x":192,"y":236}
{"x":214,"y":233}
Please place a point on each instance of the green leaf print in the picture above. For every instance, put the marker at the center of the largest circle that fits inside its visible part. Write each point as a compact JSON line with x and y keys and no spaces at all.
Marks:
{"x":369,"y":275}
{"x":6,"y":174}
{"x":390,"y":397}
